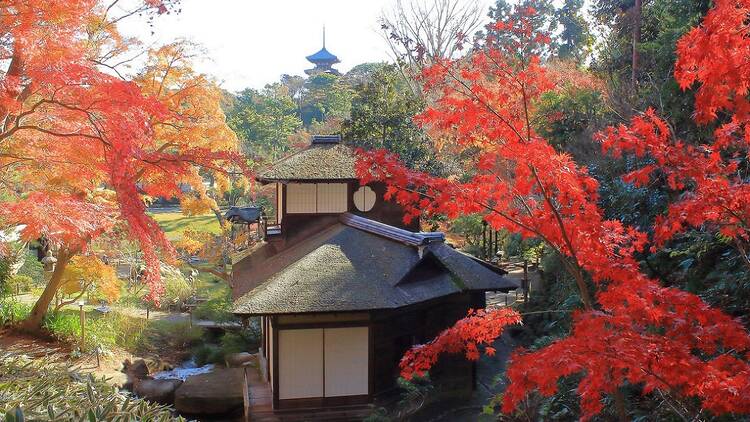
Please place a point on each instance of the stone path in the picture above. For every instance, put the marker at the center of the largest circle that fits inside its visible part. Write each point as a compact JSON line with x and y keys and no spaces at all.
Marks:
{"x":515,"y":272}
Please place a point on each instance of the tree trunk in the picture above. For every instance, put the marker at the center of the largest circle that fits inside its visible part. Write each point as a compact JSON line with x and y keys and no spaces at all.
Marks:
{"x":33,"y":323}
{"x":637,"y":15}
{"x":622,"y":413}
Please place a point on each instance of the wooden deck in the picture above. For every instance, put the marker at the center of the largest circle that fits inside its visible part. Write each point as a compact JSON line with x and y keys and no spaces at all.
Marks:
{"x":261,"y":405}
{"x":260,"y":398}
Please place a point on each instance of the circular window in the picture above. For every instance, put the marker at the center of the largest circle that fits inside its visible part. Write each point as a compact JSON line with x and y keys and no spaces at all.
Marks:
{"x":364,"y":198}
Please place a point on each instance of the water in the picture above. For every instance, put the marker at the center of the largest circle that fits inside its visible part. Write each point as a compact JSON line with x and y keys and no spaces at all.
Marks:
{"x":186,"y":369}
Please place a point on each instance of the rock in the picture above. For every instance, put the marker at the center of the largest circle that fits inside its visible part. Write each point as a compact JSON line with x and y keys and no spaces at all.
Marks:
{"x":137,"y":370}
{"x":237,"y":360}
{"x":158,"y":391}
{"x":215,"y":393}
{"x":157,"y":365}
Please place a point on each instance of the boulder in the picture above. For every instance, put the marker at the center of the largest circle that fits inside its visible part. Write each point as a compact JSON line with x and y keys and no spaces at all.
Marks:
{"x":237,"y":360}
{"x":137,"y":370}
{"x":157,"y":390}
{"x":214,"y":393}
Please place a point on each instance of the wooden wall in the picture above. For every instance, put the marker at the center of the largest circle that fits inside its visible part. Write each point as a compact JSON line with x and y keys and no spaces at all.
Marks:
{"x":395,"y":332}
{"x":323,"y":359}
{"x":316,"y":198}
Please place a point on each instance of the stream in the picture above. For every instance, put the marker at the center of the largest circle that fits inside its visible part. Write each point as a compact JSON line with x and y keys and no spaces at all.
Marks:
{"x":186,"y":369}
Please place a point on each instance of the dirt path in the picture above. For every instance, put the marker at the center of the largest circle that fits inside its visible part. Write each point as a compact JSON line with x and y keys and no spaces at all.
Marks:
{"x":33,"y":346}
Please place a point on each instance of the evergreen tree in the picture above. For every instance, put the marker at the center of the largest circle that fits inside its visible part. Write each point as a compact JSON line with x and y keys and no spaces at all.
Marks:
{"x":381,"y":117}
{"x":574,"y":41}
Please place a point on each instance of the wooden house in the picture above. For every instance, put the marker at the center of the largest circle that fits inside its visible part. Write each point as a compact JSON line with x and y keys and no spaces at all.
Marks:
{"x":343,"y":287}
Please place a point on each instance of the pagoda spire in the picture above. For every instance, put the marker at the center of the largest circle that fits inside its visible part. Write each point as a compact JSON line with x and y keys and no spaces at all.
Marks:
{"x":323,"y":60}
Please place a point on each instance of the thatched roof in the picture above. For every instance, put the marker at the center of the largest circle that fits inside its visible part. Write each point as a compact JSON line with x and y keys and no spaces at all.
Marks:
{"x":320,"y":161}
{"x":358,"y":264}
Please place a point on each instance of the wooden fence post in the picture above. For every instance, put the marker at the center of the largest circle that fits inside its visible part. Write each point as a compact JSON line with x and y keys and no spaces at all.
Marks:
{"x":83,"y":325}
{"x":484,"y":240}
{"x":525,"y":281}
{"x":246,"y":394}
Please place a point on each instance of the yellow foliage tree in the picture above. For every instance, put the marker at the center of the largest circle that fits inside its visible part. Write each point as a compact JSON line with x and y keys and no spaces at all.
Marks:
{"x":89,"y":273}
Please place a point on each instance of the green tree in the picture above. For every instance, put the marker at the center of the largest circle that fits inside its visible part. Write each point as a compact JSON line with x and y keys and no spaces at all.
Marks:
{"x":326,"y":96}
{"x":541,"y":20}
{"x":264,"y":120}
{"x":295,"y":85}
{"x":362,"y":72}
{"x":574,"y":41}
{"x":381,"y":117}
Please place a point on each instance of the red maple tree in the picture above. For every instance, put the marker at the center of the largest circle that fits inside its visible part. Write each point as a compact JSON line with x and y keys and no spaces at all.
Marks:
{"x":630,"y":330}
{"x":81,"y":146}
{"x":712,"y":57}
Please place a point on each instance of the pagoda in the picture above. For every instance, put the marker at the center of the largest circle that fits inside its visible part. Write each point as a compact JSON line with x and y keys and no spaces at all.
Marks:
{"x":323,"y":60}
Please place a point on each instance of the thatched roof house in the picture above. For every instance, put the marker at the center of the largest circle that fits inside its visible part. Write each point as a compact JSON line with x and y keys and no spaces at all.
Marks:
{"x":343,"y":287}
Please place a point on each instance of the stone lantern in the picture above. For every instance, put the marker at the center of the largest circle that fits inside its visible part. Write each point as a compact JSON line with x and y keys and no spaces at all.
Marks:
{"x":49,"y":262}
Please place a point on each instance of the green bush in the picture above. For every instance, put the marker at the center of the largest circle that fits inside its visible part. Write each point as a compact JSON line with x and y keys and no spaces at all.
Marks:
{"x":32,"y":268}
{"x":12,"y":311}
{"x":19,"y":283}
{"x":177,"y":289}
{"x":167,"y":335}
{"x":207,"y":353}
{"x":470,"y":227}
{"x":216,"y":309}
{"x":40,"y":389}
{"x":136,"y":335}
{"x":230,"y":342}
{"x":243,"y":341}
{"x":4,"y":275}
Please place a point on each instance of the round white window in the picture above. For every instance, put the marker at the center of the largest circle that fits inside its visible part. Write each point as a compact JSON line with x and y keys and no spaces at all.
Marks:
{"x":364,"y":198}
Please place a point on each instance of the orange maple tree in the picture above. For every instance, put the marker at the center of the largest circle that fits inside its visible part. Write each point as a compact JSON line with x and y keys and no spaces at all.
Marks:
{"x":82,"y":147}
{"x":630,"y":329}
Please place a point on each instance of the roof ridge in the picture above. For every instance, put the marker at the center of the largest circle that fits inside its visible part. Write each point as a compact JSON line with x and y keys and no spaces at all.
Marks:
{"x":391,"y":232}
{"x":263,"y":174}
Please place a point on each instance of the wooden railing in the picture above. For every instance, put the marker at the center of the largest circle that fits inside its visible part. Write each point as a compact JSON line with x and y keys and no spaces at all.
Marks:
{"x":269,"y":227}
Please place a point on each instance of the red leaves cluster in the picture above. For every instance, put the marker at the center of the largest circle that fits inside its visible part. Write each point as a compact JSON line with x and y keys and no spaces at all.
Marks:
{"x":610,"y":349}
{"x":713,"y":55}
{"x":60,"y":218}
{"x":631,"y":330}
{"x":76,"y":137}
{"x":480,"y":328}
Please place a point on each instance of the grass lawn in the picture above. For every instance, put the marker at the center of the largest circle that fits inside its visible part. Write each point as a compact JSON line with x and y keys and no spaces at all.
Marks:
{"x":174,"y":223}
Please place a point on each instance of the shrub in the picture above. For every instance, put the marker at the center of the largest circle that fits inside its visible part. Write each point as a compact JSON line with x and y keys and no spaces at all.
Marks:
{"x":19,"y":283}
{"x":167,"y":335}
{"x":135,"y":335}
{"x":42,"y":390}
{"x":4,"y":275}
{"x":216,"y":309}
{"x":33,"y":268}
{"x":12,"y":311}
{"x":243,"y":341}
{"x":207,"y":353}
{"x":177,"y":289}
{"x":470,"y":227}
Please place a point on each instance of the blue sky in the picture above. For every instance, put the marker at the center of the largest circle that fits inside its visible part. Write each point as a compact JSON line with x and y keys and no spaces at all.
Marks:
{"x":249,"y":43}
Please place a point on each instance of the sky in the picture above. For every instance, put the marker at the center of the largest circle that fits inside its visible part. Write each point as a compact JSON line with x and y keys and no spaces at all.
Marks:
{"x":250,"y":43}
